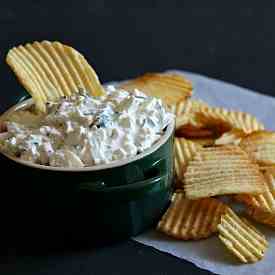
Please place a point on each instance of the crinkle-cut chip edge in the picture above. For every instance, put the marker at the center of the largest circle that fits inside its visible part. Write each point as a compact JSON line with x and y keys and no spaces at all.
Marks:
{"x":198,"y":219}
{"x":258,"y":137}
{"x":261,"y":207}
{"x":241,"y":238}
{"x":206,"y":188}
{"x":260,"y":145}
{"x":234,"y":137}
{"x":261,"y":216}
{"x":184,"y":152}
{"x":49,"y":70}
{"x":24,"y":79}
{"x":240,"y":120}
{"x":154,"y":83}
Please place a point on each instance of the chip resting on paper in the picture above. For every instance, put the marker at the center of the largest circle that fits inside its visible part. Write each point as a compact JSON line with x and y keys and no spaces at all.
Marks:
{"x":261,"y":146}
{"x":241,"y":238}
{"x":191,"y":219}
{"x":171,"y":88}
{"x":262,"y":207}
{"x":50,"y":70}
{"x":184,"y":152}
{"x":222,"y":170}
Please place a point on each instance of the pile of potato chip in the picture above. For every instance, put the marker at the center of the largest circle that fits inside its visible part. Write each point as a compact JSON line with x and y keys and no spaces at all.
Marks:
{"x":218,"y":153}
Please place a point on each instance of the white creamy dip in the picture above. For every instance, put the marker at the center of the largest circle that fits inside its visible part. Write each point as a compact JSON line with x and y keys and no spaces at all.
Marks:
{"x":82,"y":130}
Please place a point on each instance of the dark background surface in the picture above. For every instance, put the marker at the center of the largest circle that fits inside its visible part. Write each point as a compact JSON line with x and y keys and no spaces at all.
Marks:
{"x":232,"y":42}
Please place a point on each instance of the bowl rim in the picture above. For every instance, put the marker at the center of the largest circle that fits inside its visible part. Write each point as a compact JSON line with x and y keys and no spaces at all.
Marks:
{"x":26,"y":103}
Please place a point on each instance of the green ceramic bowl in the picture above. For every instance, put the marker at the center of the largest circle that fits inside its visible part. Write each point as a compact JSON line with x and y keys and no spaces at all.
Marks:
{"x":120,"y":199}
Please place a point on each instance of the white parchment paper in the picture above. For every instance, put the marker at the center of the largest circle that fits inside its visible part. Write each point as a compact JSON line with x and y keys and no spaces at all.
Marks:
{"x":210,"y":254}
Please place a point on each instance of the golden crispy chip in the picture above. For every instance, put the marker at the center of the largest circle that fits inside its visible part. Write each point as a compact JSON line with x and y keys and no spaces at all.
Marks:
{"x":235,"y":119}
{"x":172,"y":109}
{"x":200,"y":125}
{"x":197,"y":119}
{"x":262,"y":207}
{"x":27,"y":78}
{"x":189,"y":106}
{"x":241,"y":238}
{"x":222,"y":170}
{"x":266,"y":200}
{"x":264,"y":168}
{"x":264,"y":217}
{"x":184,"y":152}
{"x":192,"y":123}
{"x":191,"y":219}
{"x":233,"y":136}
{"x":217,"y":125}
{"x":185,"y":111}
{"x":190,"y":131}
{"x":171,"y":88}
{"x":49,"y":70}
{"x":261,"y":146}
{"x":181,"y":120}
{"x":183,"y":107}
{"x":182,"y":111}
{"x":198,"y":105}
{"x":205,"y":142}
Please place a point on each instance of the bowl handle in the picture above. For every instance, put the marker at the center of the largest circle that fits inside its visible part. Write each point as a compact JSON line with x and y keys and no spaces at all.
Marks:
{"x":131,"y":191}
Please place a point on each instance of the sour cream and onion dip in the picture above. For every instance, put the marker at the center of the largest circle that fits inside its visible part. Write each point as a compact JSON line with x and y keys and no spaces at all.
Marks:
{"x":82,"y":130}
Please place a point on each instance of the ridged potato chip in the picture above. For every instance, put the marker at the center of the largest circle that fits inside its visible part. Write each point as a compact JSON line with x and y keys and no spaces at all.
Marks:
{"x":264,"y":217}
{"x":196,"y":119}
{"x":264,"y":168}
{"x":171,"y":88}
{"x":262,"y":207}
{"x":201,"y":113}
{"x":203,"y":141}
{"x":183,"y":107}
{"x":191,"y":219}
{"x":190,"y":131}
{"x":184,"y":152}
{"x":50,"y":70}
{"x":241,"y":238}
{"x":187,"y":106}
{"x":182,"y":111}
{"x":234,"y":136}
{"x":196,"y":124}
{"x":235,"y":119}
{"x":198,"y":105}
{"x":185,"y":111}
{"x":222,"y":170}
{"x":261,"y":146}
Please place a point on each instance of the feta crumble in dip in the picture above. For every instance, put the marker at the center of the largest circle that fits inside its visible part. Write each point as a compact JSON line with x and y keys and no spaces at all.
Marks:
{"x":82,"y":130}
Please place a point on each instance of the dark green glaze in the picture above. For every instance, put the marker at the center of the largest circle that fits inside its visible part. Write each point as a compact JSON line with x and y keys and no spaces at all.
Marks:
{"x":133,"y":198}
{"x":118,"y":202}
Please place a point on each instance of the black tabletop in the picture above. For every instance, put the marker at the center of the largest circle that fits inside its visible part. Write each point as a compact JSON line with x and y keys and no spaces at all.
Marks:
{"x":232,"y":42}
